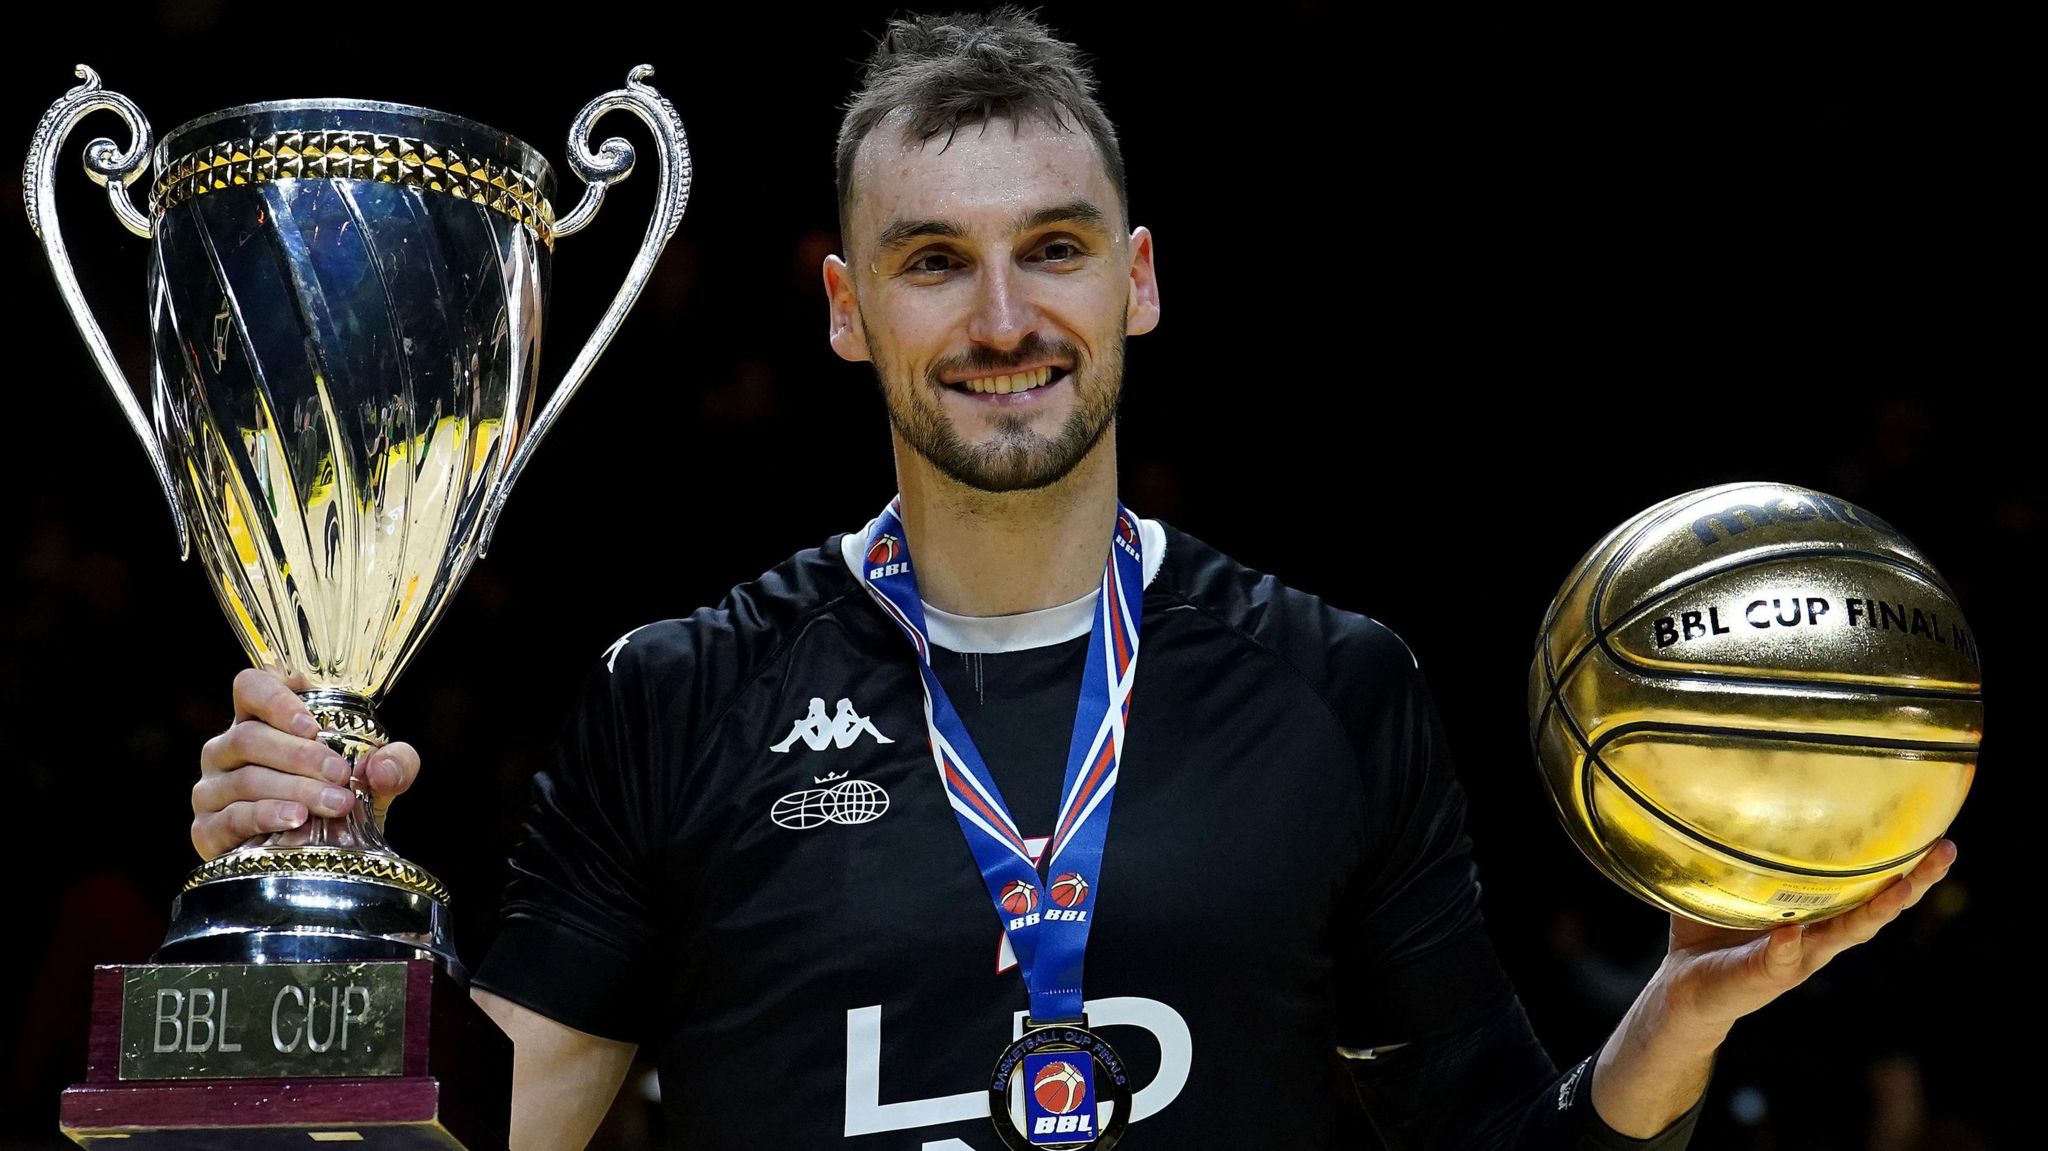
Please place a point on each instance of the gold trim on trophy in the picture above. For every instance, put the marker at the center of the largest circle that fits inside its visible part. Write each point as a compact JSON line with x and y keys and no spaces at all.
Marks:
{"x":346,"y":720}
{"x":387,"y":869}
{"x":356,"y":156}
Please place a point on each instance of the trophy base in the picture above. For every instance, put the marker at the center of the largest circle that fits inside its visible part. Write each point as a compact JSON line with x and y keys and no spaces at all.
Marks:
{"x":307,"y":917}
{"x":382,"y":1055}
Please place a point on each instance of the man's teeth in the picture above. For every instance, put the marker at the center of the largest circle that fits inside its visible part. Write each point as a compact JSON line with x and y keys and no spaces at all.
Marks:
{"x":1004,"y":385}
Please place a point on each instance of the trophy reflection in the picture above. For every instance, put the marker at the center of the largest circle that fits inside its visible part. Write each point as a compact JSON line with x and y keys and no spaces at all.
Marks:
{"x":346,"y":300}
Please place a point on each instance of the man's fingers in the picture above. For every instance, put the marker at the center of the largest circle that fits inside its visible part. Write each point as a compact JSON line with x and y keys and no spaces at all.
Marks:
{"x":391,"y":769}
{"x":1932,"y":868}
{"x":219,"y":832}
{"x":1831,"y":937}
{"x":1730,"y":981}
{"x":1904,"y":892}
{"x":270,"y":771}
{"x":264,"y":694}
{"x":254,"y":741}
{"x":221,"y":791}
{"x":1922,"y":886}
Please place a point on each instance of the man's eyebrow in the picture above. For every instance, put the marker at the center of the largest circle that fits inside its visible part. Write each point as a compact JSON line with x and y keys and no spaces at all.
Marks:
{"x":1077,"y":211}
{"x":901,"y":232}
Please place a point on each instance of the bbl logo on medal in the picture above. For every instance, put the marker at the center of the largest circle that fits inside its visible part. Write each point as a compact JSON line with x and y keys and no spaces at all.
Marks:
{"x":1058,"y":1067}
{"x":1060,"y":1106}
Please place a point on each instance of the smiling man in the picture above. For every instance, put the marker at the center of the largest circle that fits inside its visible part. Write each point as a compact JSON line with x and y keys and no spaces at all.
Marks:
{"x":840,"y":846}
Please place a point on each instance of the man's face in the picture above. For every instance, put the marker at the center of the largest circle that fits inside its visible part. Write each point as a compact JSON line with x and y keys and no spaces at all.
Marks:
{"x":991,"y":283}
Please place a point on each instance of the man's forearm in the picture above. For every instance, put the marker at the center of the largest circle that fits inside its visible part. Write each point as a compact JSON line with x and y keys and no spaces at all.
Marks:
{"x":1651,"y":1071}
{"x":563,"y":1080}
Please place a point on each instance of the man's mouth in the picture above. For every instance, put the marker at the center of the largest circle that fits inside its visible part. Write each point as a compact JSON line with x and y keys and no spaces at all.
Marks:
{"x":1012,"y":384}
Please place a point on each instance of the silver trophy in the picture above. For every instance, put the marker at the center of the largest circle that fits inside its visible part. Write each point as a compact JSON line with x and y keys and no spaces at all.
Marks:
{"x":346,"y":300}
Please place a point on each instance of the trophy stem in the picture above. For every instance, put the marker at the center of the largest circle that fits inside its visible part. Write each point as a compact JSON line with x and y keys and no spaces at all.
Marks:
{"x":350,"y":728}
{"x":329,"y":889}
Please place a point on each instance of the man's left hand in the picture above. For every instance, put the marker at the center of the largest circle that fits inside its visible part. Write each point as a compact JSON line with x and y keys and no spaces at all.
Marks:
{"x":1716,"y":975}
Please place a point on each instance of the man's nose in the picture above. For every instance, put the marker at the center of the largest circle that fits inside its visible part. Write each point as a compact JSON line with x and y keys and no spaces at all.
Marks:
{"x":1003,"y":310}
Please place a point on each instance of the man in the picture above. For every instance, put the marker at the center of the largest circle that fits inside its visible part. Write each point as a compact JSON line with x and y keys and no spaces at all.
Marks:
{"x":748,"y":849}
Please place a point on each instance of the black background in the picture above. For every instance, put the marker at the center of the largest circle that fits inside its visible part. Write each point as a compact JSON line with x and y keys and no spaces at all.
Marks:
{"x":1444,"y":299}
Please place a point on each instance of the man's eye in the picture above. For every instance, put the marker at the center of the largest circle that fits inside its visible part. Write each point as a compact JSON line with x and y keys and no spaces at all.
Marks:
{"x":931,"y":263}
{"x":1062,"y":251}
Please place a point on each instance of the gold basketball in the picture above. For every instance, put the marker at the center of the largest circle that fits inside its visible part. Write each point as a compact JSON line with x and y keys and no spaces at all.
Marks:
{"x":1755,"y":704}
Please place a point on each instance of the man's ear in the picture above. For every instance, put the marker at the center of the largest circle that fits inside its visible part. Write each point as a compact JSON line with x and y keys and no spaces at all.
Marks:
{"x":1141,"y":314}
{"x":848,"y":339}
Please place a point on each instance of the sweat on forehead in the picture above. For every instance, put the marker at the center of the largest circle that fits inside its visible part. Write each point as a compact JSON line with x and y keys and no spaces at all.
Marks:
{"x":1012,"y":167}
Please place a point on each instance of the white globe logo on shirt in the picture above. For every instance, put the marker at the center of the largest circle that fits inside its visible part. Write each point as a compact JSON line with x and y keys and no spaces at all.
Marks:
{"x":851,"y":802}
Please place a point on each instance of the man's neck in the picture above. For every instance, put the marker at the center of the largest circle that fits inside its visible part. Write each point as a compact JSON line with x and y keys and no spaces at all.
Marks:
{"x":998,"y":553}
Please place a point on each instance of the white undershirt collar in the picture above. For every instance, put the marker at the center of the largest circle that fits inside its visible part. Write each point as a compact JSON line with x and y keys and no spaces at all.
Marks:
{"x":1028,"y":629}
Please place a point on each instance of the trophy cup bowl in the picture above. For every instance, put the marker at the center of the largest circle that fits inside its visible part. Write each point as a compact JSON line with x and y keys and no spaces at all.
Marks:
{"x":346,"y":338}
{"x":346,"y":300}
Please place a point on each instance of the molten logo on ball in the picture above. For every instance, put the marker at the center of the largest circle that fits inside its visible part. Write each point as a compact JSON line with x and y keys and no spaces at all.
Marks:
{"x":1060,"y":1088}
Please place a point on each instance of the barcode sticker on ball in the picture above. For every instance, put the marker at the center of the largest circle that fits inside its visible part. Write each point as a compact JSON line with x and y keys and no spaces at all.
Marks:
{"x":1801,"y":898}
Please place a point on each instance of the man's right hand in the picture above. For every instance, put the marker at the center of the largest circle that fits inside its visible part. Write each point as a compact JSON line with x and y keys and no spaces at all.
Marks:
{"x":268,"y":770}
{"x":265,"y":774}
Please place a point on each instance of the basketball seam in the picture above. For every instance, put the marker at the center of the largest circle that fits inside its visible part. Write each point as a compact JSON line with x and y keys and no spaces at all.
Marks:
{"x":1591,"y":814}
{"x":1599,"y":595}
{"x":1557,"y":604}
{"x":1788,"y":736}
{"x":1682,"y":828}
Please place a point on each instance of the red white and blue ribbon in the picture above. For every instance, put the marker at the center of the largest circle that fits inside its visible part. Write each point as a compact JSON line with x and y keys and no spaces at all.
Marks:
{"x":1047,"y":923}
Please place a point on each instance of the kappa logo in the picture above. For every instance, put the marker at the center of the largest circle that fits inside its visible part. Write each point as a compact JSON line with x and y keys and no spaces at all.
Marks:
{"x":819,"y":733}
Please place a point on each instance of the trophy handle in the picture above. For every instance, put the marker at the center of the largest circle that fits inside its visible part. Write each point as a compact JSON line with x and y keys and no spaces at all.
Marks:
{"x":114,"y":170}
{"x":612,"y":162}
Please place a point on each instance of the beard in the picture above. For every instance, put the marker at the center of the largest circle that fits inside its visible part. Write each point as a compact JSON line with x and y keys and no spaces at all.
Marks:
{"x":1016,"y":458}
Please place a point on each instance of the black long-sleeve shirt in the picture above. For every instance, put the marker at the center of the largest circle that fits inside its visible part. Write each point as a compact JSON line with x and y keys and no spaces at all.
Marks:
{"x":741,"y":857}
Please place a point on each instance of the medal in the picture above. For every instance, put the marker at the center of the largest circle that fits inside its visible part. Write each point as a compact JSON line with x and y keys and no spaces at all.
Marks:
{"x":1061,"y":1066}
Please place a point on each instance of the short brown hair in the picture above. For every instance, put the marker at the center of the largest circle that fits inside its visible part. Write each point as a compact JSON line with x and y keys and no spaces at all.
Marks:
{"x":965,"y":68}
